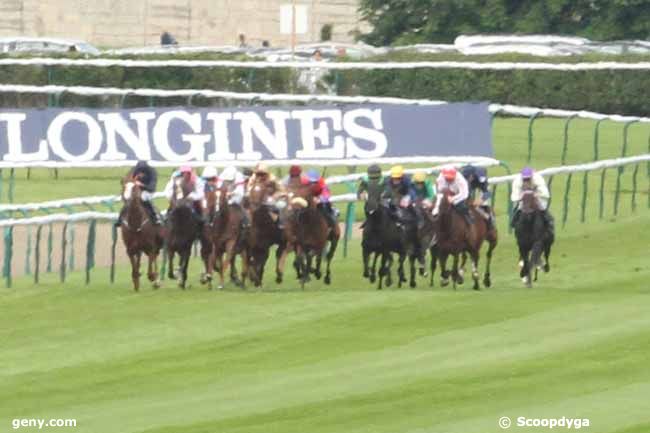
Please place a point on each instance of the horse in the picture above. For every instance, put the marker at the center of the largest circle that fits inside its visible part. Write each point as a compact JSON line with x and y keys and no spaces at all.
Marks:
{"x":263,"y":234}
{"x":227,"y":238}
{"x":455,"y":237}
{"x":533,"y":237}
{"x":307,"y":233}
{"x":182,"y":229}
{"x":380,"y":237}
{"x":139,"y":234}
{"x":426,"y":234}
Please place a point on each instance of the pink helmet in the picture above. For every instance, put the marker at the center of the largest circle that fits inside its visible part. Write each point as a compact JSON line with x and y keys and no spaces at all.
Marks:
{"x":185,"y":169}
{"x":449,"y":173}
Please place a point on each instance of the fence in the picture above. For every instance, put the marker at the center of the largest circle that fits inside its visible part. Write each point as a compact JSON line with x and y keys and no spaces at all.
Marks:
{"x":92,"y":218}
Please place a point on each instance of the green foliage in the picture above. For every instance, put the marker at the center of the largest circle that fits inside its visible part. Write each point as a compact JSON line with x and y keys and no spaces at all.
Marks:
{"x":440,"y":21}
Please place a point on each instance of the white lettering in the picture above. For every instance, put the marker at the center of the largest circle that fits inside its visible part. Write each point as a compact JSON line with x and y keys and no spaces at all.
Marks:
{"x":220,"y":134}
{"x":15,"y":140}
{"x":252,"y":124}
{"x":55,"y":135}
{"x":115,"y":125}
{"x":309,"y":134}
{"x":361,"y":132}
{"x":196,"y":141}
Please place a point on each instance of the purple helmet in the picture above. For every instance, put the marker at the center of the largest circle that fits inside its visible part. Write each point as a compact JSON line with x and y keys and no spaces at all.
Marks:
{"x":527,"y":172}
{"x":313,"y":175}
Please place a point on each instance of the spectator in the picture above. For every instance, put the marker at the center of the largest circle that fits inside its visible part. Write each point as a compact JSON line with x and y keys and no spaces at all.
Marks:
{"x":266,"y":44}
{"x":242,"y":41}
{"x":317,"y":55}
{"x":167,"y":39}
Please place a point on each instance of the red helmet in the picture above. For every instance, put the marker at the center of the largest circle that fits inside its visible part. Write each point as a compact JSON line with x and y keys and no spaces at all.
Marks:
{"x":449,"y":173}
{"x":295,"y":170}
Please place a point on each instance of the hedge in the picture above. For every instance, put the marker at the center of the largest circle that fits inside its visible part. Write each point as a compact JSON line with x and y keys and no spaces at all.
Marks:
{"x":622,"y":92}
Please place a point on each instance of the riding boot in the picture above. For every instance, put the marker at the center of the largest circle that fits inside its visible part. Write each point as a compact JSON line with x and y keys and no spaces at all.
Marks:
{"x":153,"y":214}
{"x":120,"y":216}
{"x":490,"y":217}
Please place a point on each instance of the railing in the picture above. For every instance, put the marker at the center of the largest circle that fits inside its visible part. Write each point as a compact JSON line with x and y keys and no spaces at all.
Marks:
{"x":92,"y":218}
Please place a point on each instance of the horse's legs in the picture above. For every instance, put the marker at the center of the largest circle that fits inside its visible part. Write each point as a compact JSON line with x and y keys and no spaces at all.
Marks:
{"x":547,"y":253}
{"x":475,"y":274}
{"x":444,"y":273}
{"x":434,"y":256}
{"x":279,"y":268}
{"x":184,"y":261}
{"x":135,"y":270}
{"x":152,"y":272}
{"x":486,"y":278}
{"x":207,"y":249}
{"x":400,"y":269}
{"x":366,"y":257}
{"x":524,"y":273}
{"x":382,"y":270}
{"x":412,"y":259}
{"x":170,"y":260}
{"x":230,"y":255}
{"x":463,"y":261}
{"x":455,"y":276}
{"x":330,"y":255}
{"x":244,"y":267}
{"x":319,"y":259}
{"x":373,"y":269}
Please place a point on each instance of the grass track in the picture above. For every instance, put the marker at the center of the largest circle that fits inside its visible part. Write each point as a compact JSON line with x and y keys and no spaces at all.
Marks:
{"x":345,"y":358}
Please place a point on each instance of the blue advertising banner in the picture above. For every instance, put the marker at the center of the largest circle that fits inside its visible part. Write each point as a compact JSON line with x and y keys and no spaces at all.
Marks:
{"x":178,"y":134}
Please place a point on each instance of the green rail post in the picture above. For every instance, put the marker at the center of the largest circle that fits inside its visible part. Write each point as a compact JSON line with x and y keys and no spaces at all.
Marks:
{"x":565,"y":210}
{"x":28,"y":248}
{"x":113,"y":245}
{"x":12,"y":182}
{"x":71,"y":230}
{"x":9,"y":248}
{"x":37,"y":254}
{"x":634,"y":186}
{"x":189,"y":100}
{"x":350,"y":213}
{"x":90,"y":248}
{"x":597,"y":139}
{"x":585,"y":193}
{"x":163,"y":264}
{"x":601,"y":206}
{"x":565,"y":146}
{"x":621,"y":169}
{"x":648,"y":170}
{"x":64,"y":245}
{"x":50,"y":246}
{"x":531,"y":121}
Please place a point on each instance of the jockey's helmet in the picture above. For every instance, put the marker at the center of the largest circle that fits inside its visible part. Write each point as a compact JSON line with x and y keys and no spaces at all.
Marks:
{"x":527,"y":173}
{"x":295,"y":170}
{"x":185,"y":169}
{"x":228,"y":174}
{"x":449,"y":173}
{"x":209,"y":172}
{"x":419,"y":177}
{"x":397,"y":172}
{"x":261,"y":168}
{"x":313,"y":175}
{"x":374,"y":172}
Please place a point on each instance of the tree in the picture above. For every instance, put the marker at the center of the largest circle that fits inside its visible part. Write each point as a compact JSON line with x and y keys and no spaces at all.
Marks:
{"x":441,"y":21}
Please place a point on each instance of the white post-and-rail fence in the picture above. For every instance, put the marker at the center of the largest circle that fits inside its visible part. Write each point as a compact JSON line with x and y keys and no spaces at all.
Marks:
{"x":67,"y":220}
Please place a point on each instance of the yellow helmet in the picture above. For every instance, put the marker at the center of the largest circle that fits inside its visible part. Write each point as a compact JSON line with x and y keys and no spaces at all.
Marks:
{"x":261,"y":168}
{"x":397,"y":172}
{"x":420,"y":176}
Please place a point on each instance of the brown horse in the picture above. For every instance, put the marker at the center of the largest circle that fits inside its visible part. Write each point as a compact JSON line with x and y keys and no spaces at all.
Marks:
{"x":227,"y":238}
{"x":307,"y":234}
{"x":182,"y":230}
{"x":263,"y":234}
{"x":456,"y":236}
{"x":139,"y":234}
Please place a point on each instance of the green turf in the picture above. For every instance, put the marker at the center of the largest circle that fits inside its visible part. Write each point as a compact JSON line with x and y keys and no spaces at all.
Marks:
{"x":347,"y":358}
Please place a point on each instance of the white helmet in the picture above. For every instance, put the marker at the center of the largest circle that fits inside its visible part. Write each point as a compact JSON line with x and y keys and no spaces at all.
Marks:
{"x":209,"y":172}
{"x":228,"y":174}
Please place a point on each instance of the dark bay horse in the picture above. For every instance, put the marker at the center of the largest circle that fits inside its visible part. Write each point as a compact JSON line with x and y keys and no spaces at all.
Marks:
{"x":182,"y":230}
{"x":308,"y":234}
{"x":263,"y":234}
{"x":455,"y":237}
{"x":139,"y":234}
{"x":533,"y":237}
{"x":227,"y":238}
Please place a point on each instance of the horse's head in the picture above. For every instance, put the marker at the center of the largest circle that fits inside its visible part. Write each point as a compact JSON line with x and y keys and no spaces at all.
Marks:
{"x":182,"y":189}
{"x":529,"y":202}
{"x":131,"y":190}
{"x":256,"y":196}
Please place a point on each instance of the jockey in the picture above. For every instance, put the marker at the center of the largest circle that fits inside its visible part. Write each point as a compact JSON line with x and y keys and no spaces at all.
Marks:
{"x":295,"y":178}
{"x":450,"y":179}
{"x":373,"y":176}
{"x":197,"y":195}
{"x":235,"y":185}
{"x":529,"y":179}
{"x":398,"y":188}
{"x":210,"y":178}
{"x":424,"y":194}
{"x":146,"y":177}
{"x":322,"y":197}
{"x":477,"y":179}
{"x":273,"y":189}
